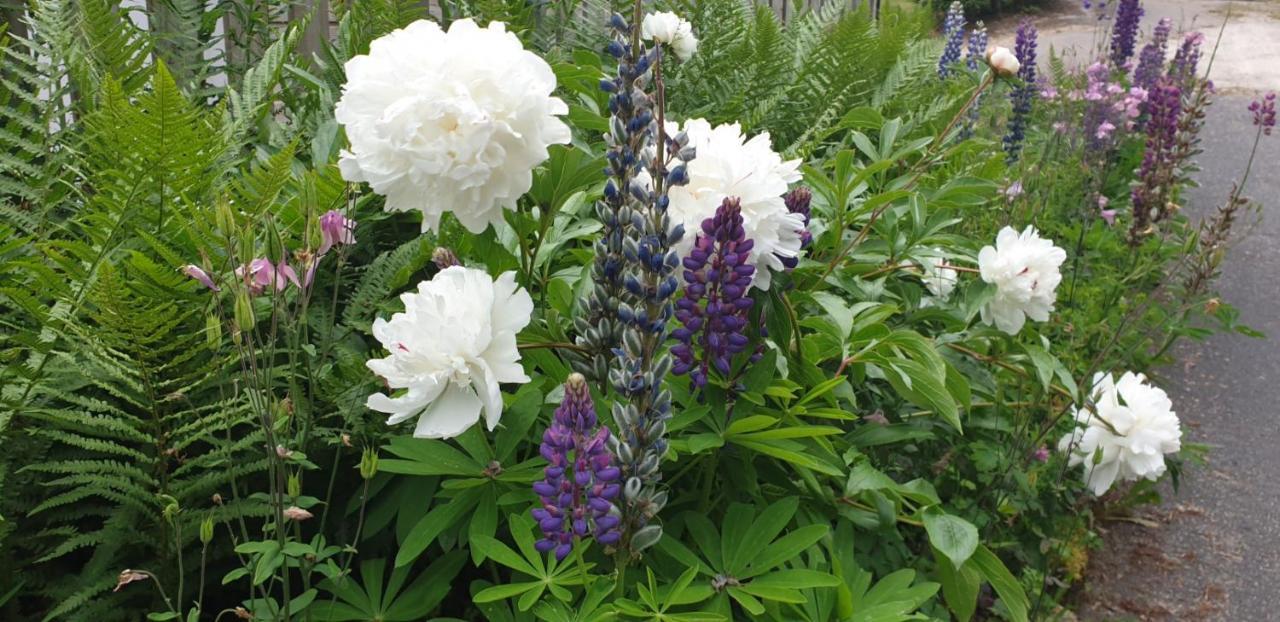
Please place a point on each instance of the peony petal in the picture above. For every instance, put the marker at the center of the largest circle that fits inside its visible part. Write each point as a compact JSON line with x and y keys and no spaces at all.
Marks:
{"x":456,"y":410}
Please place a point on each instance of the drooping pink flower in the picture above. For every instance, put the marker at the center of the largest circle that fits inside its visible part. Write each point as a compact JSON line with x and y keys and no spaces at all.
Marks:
{"x":260,"y":274}
{"x":295,"y":513}
{"x":1109,"y":215}
{"x":200,"y":275}
{"x":336,"y":230}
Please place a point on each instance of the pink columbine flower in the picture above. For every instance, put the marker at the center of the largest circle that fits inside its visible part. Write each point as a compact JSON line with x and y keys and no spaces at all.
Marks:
{"x":1104,"y":130}
{"x":337,"y":230}
{"x":296,"y":513}
{"x":259,"y":274}
{"x":1109,"y":215}
{"x":1014,"y":190}
{"x":1041,"y":454}
{"x":203,"y":277}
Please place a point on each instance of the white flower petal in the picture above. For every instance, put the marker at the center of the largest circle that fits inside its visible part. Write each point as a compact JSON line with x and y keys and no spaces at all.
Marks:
{"x":457,"y":409}
{"x":1025,"y":270}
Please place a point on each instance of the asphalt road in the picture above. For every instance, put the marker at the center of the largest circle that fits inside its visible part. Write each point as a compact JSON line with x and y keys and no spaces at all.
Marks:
{"x":1213,"y":552}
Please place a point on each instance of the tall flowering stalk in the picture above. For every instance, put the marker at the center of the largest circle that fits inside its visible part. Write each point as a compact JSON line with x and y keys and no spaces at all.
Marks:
{"x":1124,"y":31}
{"x":640,"y":258}
{"x":1156,"y":176}
{"x":631,"y":115}
{"x":1186,"y":60}
{"x":978,"y":39}
{"x":1151,"y":59}
{"x":1024,"y":93}
{"x":1264,"y":113}
{"x":580,"y":482}
{"x":715,"y":306}
{"x":953,"y":32}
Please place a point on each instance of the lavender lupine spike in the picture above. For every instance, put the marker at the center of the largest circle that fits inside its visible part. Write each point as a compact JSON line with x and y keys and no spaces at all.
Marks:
{"x":1023,"y":94}
{"x":1264,"y":112}
{"x":1124,"y":31}
{"x":1183,"y":69}
{"x":1151,"y":59}
{"x":953,"y":32}
{"x":580,"y":482}
{"x":715,"y":306}
{"x":1156,"y":176}
{"x":645,"y":265}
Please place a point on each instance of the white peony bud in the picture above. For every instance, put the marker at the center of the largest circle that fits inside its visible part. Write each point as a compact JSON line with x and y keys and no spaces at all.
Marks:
{"x":1003,"y":61}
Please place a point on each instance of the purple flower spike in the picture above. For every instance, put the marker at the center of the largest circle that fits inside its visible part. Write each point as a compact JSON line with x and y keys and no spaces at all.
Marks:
{"x":797,"y":202}
{"x":337,"y":230}
{"x":203,"y":277}
{"x":715,"y":306}
{"x":1186,"y":60}
{"x":1150,"y":194}
{"x":1024,"y":93}
{"x":953,"y":32}
{"x":581,"y":481}
{"x":1124,"y":32}
{"x":1151,"y":59}
{"x":1264,"y":112}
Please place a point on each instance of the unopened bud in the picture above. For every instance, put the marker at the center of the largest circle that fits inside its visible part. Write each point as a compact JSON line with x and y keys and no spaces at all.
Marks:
{"x":444,"y":258}
{"x":368,"y":464}
{"x":206,"y":530}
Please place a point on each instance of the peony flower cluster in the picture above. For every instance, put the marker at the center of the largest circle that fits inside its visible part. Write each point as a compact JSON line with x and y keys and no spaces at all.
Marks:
{"x":449,"y":122}
{"x":729,"y":164}
{"x":1124,"y":432}
{"x":667,"y":27}
{"x":450,"y":348}
{"x":1025,"y":270}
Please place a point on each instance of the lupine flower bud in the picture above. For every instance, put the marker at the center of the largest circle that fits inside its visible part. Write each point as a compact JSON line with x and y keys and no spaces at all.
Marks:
{"x":336,"y":230}
{"x":581,"y":481}
{"x":715,"y":306}
{"x":1150,"y":195}
{"x":977,"y":46}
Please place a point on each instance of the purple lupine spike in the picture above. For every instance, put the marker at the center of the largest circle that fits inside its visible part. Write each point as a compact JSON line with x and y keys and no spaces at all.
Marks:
{"x":977,"y":46}
{"x":1186,"y":60}
{"x":953,"y":32}
{"x":1155,"y":176}
{"x":1264,"y":112}
{"x":1151,"y":59}
{"x":797,"y":202}
{"x":1024,"y":93}
{"x":1124,"y":31}
{"x":580,"y":481}
{"x":713,"y":312}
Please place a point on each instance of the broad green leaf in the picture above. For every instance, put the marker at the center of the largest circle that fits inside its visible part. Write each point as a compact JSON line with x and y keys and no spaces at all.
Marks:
{"x":1005,"y":584}
{"x":953,"y":536}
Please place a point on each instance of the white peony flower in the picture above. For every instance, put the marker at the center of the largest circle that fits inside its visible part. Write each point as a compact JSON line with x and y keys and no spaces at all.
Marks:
{"x":727,"y":164}
{"x":1125,"y":432}
{"x":449,"y":122}
{"x":1024,"y":269}
{"x":451,"y":347}
{"x":668,"y":28}
{"x":939,"y":280}
{"x":1003,"y":61}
